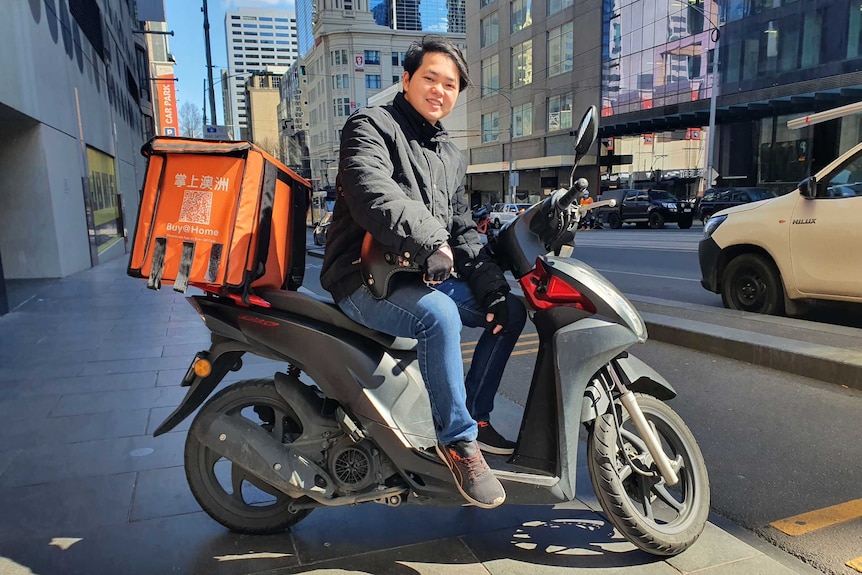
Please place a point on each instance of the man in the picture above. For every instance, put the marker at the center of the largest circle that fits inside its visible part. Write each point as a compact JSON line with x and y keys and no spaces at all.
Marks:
{"x":588,"y":220}
{"x":401,"y":179}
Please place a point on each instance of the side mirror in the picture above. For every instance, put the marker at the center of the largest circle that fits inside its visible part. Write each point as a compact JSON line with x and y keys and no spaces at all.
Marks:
{"x":808,"y":187}
{"x":587,"y":132}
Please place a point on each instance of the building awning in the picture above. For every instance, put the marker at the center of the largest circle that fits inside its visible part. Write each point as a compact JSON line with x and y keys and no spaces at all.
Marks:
{"x":730,"y":108}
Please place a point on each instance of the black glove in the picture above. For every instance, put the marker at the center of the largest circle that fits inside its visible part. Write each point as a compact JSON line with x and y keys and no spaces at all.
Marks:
{"x":497,"y":307}
{"x":438,"y":266}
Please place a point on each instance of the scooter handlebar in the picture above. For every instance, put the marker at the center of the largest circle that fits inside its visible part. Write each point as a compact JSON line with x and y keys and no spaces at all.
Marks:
{"x":565,"y":200}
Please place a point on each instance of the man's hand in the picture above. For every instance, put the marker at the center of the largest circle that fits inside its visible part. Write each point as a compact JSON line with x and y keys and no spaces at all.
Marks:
{"x":498,"y":312}
{"x":438,"y":266}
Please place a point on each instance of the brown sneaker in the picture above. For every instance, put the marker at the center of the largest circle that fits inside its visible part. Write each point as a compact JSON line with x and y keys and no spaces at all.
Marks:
{"x":473,"y":478}
{"x":492,"y":442}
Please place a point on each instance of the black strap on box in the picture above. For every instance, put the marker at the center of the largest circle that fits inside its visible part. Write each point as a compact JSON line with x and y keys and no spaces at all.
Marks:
{"x":215,"y":261}
{"x":155,"y":281}
{"x":181,"y":284}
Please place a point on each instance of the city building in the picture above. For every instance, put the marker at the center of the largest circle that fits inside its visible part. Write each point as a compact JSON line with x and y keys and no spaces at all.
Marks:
{"x":262,"y":100}
{"x":777,"y":61}
{"x":445,"y":16}
{"x":76,"y":104}
{"x":162,"y":81}
{"x":305,"y":10}
{"x":535,"y":68}
{"x":257,"y":40}
{"x":353,"y":59}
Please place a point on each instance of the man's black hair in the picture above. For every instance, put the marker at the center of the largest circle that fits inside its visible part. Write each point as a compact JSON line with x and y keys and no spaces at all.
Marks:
{"x":418,"y":49}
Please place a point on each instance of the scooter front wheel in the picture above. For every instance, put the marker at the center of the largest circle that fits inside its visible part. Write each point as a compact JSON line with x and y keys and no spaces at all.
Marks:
{"x":658,"y":518}
{"x":230,"y":495}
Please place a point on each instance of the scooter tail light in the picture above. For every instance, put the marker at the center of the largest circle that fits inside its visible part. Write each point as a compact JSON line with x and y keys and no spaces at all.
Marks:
{"x":560,"y":292}
{"x":544,"y":290}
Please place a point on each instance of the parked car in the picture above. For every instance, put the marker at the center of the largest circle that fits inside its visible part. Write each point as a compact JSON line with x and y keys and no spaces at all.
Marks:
{"x":773,"y":256}
{"x":715,"y":200}
{"x":321,"y":228}
{"x":645,"y":208}
{"x":502,"y":213}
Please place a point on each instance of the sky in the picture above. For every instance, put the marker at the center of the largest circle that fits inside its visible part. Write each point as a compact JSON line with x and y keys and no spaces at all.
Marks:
{"x":186,"y":19}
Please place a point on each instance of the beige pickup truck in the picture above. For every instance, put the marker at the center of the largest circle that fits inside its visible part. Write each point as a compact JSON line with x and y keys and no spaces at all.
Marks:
{"x":774,"y":255}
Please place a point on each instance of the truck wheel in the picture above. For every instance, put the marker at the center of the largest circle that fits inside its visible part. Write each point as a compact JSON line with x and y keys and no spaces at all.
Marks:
{"x":656,"y":221}
{"x":684,"y":223}
{"x":615,"y":221}
{"x":751,"y":283}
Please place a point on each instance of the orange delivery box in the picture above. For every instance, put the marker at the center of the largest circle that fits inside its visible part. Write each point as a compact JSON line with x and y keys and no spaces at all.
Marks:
{"x":219,"y":215}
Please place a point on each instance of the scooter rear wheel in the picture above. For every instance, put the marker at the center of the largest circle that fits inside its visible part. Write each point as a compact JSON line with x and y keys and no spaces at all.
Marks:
{"x":660,"y":519}
{"x":230,"y":495}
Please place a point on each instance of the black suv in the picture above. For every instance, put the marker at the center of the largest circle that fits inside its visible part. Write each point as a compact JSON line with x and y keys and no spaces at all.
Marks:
{"x":715,"y":200}
{"x":645,"y":207}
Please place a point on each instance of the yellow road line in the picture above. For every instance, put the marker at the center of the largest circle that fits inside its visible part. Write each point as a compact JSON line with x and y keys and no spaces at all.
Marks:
{"x":468,"y":355}
{"x":820,"y":518}
{"x":530,"y":337}
{"x":855,"y":564}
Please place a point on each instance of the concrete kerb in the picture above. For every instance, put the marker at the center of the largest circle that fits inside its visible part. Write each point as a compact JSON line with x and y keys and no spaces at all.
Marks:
{"x":829,"y":364}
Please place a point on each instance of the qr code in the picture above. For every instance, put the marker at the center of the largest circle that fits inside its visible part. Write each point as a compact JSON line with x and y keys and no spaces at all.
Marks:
{"x":197,"y":207}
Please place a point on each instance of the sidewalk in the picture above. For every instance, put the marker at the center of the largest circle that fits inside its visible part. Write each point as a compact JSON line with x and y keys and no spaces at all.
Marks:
{"x":89,"y":367}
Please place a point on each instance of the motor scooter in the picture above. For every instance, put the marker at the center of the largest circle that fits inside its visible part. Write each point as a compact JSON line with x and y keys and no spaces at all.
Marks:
{"x":349,"y":421}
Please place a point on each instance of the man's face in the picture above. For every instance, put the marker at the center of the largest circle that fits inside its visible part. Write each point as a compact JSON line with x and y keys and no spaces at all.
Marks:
{"x":434,"y":87}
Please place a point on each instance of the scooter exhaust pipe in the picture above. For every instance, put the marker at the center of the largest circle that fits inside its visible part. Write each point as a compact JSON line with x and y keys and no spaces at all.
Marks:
{"x":254,"y":450}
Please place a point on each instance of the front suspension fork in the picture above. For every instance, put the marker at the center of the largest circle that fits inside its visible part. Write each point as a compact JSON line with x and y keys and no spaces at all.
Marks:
{"x":653,"y":445}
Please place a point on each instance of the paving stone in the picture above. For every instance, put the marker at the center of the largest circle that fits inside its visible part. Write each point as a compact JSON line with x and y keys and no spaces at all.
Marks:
{"x":102,"y":401}
{"x":713,"y":547}
{"x":162,"y":493}
{"x":35,"y":432}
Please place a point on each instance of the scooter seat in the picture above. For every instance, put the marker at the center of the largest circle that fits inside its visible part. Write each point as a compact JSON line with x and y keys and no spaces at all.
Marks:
{"x":308,"y":304}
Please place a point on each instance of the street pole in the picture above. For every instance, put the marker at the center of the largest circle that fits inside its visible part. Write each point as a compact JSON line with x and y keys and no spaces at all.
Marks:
{"x":511,"y":129}
{"x":209,"y":62}
{"x":205,"y":102}
{"x":710,"y":140}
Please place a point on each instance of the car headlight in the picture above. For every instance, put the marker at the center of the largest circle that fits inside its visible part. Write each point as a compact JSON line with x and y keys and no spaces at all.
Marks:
{"x":712,"y":225}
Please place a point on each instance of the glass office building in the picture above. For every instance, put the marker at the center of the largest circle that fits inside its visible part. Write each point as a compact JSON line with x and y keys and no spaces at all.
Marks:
{"x":778,"y":60}
{"x":444,"y":16}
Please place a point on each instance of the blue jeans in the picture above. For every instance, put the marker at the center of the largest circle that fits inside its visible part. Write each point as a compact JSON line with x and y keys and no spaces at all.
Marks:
{"x":434,"y":317}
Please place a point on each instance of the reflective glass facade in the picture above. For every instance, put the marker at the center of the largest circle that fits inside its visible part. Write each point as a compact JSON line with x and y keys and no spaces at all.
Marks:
{"x":444,"y":16}
{"x":655,"y":53}
{"x":777,"y":60}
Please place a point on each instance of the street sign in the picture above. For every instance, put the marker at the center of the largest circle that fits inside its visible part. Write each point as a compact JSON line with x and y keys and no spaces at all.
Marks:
{"x":212,"y":132}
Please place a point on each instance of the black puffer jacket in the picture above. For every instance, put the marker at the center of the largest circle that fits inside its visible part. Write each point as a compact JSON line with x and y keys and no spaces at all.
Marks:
{"x":401,"y":179}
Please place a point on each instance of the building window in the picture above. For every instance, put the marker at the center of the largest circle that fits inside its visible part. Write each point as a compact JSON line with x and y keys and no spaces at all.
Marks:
{"x":491,"y":75}
{"x":560,"y":112}
{"x":491,"y":127}
{"x":372,"y":81}
{"x":341,"y":82}
{"x":396,"y":79}
{"x":341,"y":107}
{"x":338,"y":57}
{"x":521,"y":14}
{"x":398,"y":58}
{"x":484,"y":3}
{"x":490,"y":30}
{"x":555,"y":6}
{"x":523,"y":120}
{"x":561,"y":55}
{"x":522,"y":63}
{"x":372,"y":57}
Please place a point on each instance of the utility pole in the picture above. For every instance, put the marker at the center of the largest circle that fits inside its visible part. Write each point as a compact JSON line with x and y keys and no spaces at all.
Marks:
{"x":205,"y":102}
{"x":209,"y":63}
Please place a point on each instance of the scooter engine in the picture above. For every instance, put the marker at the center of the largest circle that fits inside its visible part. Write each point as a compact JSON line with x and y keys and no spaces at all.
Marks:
{"x":354,"y":466}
